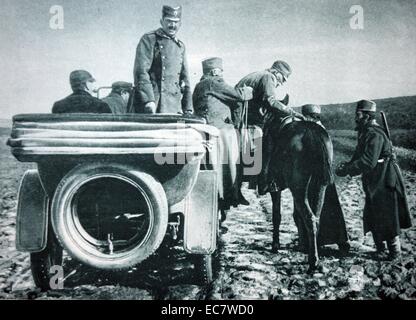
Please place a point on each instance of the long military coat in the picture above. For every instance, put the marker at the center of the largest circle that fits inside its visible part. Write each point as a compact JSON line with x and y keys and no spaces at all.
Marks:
{"x":386,"y":210}
{"x":213,"y":100}
{"x":161,"y":74}
{"x":80,"y":102}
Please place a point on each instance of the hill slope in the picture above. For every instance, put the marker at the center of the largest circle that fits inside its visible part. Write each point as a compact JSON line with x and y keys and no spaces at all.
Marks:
{"x":400,"y":112}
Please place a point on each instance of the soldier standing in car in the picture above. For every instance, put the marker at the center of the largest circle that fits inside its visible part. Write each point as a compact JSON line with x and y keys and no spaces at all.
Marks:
{"x":161,"y":72}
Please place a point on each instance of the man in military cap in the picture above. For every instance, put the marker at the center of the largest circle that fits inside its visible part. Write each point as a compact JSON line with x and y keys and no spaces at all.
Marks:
{"x":264,"y":84}
{"x":160,"y":70}
{"x":214,"y":100}
{"x":119,"y":97}
{"x":386,"y":210}
{"x":81,"y":100}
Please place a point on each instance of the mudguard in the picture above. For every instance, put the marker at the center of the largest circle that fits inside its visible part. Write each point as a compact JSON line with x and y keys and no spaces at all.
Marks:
{"x":201,"y":215}
{"x":32,"y":214}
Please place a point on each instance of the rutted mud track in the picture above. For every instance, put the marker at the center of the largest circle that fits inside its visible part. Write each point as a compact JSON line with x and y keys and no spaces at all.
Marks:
{"x":248,"y":268}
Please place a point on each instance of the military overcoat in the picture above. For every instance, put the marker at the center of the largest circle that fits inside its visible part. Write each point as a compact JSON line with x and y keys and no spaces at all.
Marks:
{"x":214,"y":100}
{"x":161,"y":74}
{"x":117,"y":104}
{"x":264,"y":97}
{"x":386,"y":209}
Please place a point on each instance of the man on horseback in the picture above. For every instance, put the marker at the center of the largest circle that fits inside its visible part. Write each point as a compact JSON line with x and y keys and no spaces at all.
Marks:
{"x":264,"y":84}
{"x":386,"y":210}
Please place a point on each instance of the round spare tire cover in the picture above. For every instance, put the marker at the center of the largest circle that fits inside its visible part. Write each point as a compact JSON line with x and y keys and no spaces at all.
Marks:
{"x":73,"y":239}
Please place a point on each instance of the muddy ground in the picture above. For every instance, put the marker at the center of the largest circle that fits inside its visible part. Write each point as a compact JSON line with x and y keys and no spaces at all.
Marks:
{"x":248,"y":269}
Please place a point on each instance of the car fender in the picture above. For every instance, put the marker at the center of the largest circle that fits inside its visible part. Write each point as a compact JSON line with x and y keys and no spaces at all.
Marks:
{"x":32,"y":214}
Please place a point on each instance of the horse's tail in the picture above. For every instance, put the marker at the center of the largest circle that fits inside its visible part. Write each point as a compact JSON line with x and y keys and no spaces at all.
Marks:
{"x":319,"y":146}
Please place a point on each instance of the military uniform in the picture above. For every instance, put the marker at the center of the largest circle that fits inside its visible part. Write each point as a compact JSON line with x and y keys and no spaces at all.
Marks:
{"x":386,"y":210}
{"x":115,"y":100}
{"x":116,"y":103}
{"x":80,"y":102}
{"x":161,"y":74}
{"x":264,"y":97}
{"x":213,"y":100}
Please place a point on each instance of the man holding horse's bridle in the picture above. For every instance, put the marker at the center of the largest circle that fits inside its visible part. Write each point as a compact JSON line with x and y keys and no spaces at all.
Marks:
{"x":264,"y":84}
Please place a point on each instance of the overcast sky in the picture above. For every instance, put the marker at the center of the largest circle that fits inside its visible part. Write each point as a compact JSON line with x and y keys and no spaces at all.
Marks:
{"x":331,"y":62}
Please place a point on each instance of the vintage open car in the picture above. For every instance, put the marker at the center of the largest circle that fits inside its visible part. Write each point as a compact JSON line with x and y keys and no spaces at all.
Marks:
{"x":109,"y":189}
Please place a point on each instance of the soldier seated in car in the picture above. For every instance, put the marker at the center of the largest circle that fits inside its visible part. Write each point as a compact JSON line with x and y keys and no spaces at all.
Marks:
{"x":81,"y":100}
{"x":119,"y":97}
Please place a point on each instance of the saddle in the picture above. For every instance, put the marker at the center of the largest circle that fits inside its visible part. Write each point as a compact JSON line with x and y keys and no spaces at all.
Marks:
{"x":284,"y":122}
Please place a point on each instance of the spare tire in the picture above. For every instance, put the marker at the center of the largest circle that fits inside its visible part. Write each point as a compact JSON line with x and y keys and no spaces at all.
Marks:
{"x":109,"y":216}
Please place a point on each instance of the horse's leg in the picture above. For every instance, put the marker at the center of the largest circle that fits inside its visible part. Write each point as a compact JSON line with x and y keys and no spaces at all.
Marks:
{"x":303,"y":241}
{"x":318,"y":205}
{"x":311,"y":215}
{"x":277,"y":218}
{"x":310,"y":222}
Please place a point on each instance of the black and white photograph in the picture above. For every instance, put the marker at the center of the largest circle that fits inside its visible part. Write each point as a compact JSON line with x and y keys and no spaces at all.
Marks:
{"x":210,"y":150}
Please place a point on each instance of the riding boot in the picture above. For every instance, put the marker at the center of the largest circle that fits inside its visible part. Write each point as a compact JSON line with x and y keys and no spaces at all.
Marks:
{"x":262,"y":187}
{"x":275,"y":177}
{"x":394,"y":248}
{"x":264,"y":179}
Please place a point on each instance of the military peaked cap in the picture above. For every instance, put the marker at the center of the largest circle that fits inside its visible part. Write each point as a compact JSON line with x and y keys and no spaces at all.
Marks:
{"x":172,"y":13}
{"x":211,"y":63}
{"x":366,"y":105}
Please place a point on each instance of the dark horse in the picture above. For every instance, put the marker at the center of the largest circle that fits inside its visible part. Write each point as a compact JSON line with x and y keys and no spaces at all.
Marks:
{"x":302,"y":155}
